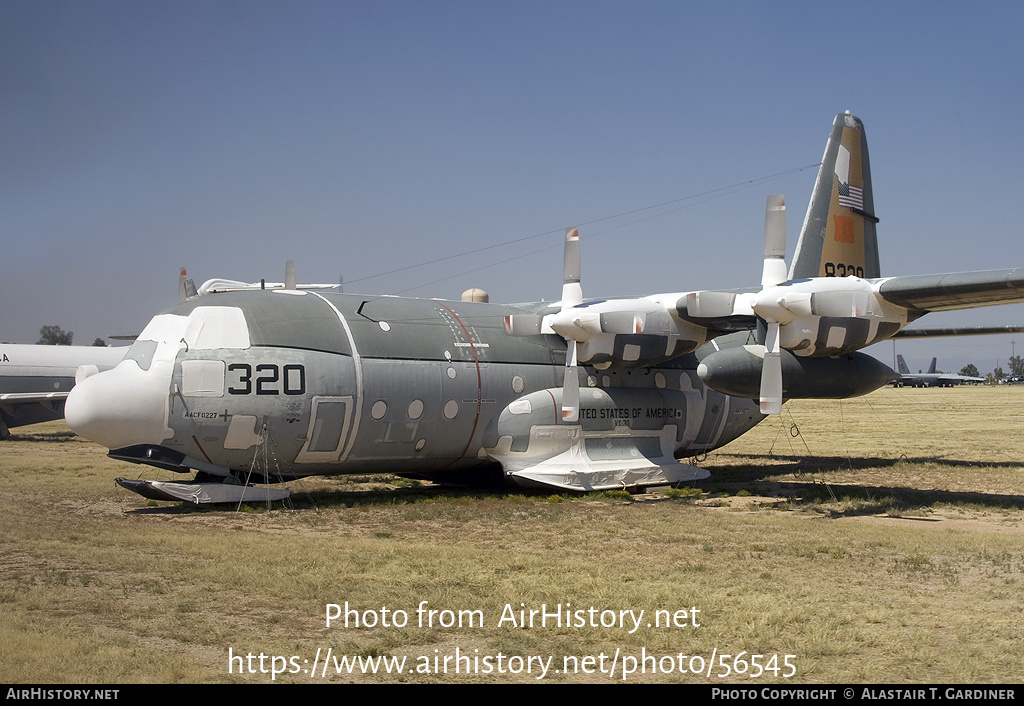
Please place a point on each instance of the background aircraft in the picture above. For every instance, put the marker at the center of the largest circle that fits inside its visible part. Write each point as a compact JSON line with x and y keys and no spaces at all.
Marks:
{"x":255,"y":384}
{"x":930,"y":378}
{"x":35,"y":380}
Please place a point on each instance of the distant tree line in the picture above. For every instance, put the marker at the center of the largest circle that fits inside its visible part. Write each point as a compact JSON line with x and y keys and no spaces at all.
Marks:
{"x":1016,"y":366}
{"x":1016,"y":371}
{"x":56,"y":336}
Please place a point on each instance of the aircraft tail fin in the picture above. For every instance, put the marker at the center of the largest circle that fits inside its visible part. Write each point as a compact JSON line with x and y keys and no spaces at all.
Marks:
{"x":931,"y":368}
{"x":186,"y":288}
{"x":838,"y":236}
{"x":904,"y":370}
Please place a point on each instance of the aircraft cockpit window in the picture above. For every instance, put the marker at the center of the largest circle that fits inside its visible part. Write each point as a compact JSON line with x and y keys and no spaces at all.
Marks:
{"x":217,"y":327}
{"x":142,"y":353}
{"x":163,"y":330}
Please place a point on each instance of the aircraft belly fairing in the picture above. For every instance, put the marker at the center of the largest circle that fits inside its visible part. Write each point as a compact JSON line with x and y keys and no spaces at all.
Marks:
{"x":625,"y":437}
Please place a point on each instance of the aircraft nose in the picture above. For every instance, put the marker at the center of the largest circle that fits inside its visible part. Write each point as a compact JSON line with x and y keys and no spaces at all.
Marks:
{"x":118,"y":407}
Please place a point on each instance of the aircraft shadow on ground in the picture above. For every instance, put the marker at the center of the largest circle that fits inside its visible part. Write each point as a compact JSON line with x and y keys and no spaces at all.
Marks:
{"x":839,"y":464}
{"x":809,"y":481}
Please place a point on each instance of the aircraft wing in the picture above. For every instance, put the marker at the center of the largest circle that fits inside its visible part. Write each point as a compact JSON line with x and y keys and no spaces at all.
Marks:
{"x":922,"y":332}
{"x":19,"y":408}
{"x":951,"y":378}
{"x":30,"y":397}
{"x":954,"y":290}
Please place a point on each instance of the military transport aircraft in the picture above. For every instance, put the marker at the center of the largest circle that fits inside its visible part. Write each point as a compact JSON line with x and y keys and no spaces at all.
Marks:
{"x":247,"y":384}
{"x":930,"y":378}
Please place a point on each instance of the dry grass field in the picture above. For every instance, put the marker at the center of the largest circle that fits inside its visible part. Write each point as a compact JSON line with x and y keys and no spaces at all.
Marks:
{"x":871,"y":540}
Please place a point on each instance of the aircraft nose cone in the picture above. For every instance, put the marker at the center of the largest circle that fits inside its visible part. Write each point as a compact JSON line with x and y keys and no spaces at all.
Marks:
{"x":121,"y":406}
{"x":83,"y":410}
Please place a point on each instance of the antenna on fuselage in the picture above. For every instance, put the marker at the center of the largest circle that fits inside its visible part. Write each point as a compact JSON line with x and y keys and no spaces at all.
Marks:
{"x":289,"y":274}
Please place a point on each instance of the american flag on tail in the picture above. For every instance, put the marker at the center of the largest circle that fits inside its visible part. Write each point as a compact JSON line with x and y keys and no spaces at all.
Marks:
{"x":851,"y":196}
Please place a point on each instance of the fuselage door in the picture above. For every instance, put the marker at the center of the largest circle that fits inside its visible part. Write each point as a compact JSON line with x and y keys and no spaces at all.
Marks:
{"x":329,"y":426}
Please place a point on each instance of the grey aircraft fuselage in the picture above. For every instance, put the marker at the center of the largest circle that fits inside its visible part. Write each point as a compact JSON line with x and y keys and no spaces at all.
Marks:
{"x":342,"y":383}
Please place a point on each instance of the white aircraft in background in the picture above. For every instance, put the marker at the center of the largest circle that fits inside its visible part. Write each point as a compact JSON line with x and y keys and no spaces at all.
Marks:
{"x":35,"y":380}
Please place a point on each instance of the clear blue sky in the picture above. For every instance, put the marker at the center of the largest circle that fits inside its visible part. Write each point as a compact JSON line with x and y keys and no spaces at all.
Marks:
{"x":360,"y":137}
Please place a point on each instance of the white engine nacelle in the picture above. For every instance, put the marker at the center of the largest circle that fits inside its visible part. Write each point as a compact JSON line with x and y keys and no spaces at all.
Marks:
{"x":828,"y":316}
{"x":625,"y":333}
